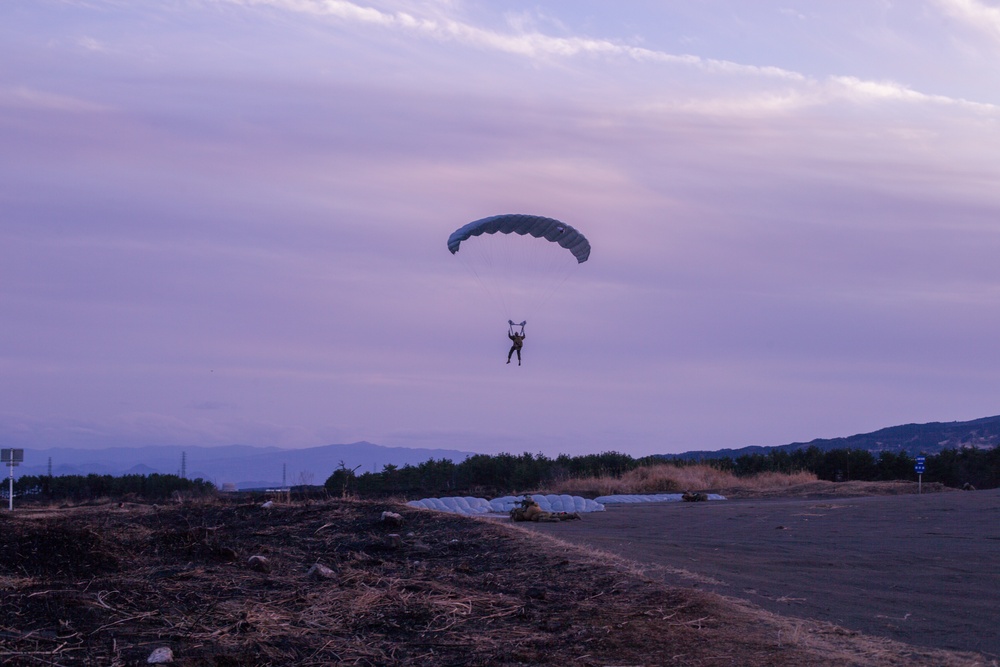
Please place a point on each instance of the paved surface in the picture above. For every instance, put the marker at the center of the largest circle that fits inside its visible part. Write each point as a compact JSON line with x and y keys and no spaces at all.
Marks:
{"x":923,"y":569}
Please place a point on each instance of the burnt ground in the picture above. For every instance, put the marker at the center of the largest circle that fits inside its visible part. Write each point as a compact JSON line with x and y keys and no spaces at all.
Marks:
{"x":107,"y":585}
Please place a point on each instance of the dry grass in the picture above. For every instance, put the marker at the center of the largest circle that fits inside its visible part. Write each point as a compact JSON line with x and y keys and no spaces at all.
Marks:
{"x":675,"y":479}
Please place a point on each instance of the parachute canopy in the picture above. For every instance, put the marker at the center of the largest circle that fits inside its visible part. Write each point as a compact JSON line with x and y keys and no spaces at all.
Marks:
{"x":534,"y":225}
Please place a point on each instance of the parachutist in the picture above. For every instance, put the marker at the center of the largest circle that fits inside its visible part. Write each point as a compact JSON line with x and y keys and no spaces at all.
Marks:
{"x":503,"y":245}
{"x":517,"y":339}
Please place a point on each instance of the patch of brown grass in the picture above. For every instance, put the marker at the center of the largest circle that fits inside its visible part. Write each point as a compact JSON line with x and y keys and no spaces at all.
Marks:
{"x":668,"y":478}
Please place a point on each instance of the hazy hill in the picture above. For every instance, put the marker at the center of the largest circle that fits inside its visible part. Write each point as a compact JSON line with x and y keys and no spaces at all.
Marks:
{"x":245,"y":466}
{"x":914,"y":439}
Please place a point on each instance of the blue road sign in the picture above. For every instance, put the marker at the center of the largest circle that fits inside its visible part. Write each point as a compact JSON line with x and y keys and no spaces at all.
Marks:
{"x":919,"y":468}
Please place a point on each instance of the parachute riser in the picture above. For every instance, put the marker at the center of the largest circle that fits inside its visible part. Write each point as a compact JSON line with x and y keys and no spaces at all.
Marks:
{"x":520,"y":260}
{"x":512,"y":324}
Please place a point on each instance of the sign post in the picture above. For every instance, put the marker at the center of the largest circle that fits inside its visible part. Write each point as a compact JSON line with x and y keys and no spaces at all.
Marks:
{"x":919,"y":469}
{"x":11,"y":457}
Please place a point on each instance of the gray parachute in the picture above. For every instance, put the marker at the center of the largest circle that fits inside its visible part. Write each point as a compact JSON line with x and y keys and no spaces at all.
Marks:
{"x":517,"y":223}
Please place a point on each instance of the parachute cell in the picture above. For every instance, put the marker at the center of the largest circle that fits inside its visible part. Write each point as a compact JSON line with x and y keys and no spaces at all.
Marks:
{"x":533,"y":225}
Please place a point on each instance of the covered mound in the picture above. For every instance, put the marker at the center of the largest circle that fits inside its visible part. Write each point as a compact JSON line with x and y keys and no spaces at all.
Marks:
{"x":456,"y":505}
{"x":470,"y":506}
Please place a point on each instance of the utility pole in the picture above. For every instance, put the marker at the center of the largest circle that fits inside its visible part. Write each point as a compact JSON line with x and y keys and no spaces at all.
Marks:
{"x":12,"y":457}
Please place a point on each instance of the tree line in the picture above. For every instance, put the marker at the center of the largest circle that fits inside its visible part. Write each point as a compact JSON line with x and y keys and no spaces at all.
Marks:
{"x":485,"y":475}
{"x":951,"y":467}
{"x":479,"y":475}
{"x":79,"y":488}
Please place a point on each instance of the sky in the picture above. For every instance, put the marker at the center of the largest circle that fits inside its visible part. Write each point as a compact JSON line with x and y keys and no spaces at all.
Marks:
{"x":225,"y":221}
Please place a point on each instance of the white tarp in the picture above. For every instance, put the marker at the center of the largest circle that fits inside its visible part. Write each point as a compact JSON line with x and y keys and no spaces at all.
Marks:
{"x":470,"y":505}
{"x":654,"y":498}
{"x":457,"y":505}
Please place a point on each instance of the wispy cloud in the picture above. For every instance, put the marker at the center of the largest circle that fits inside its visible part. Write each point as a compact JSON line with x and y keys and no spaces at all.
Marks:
{"x":853,"y":87}
{"x":793,"y":98}
{"x":760,"y":104}
{"x":976,"y":14}
{"x":93,"y":45}
{"x":794,"y":13}
{"x":524,"y":38}
{"x":32,"y":98}
{"x":525,"y":42}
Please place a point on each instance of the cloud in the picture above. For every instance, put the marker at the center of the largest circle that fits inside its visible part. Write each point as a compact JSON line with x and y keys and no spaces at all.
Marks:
{"x":790,"y":99}
{"x":30,"y":98}
{"x":93,"y":45}
{"x":853,"y":87}
{"x":794,"y":13}
{"x":524,"y":41}
{"x":747,"y":104}
{"x":975,"y":14}
{"x":523,"y":38}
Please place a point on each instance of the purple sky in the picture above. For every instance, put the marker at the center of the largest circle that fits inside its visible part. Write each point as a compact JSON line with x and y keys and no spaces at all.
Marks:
{"x":225,"y":221}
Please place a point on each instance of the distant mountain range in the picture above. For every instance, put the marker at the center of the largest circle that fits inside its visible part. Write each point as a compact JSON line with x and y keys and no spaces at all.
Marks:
{"x":914,"y":439}
{"x":244,"y":466}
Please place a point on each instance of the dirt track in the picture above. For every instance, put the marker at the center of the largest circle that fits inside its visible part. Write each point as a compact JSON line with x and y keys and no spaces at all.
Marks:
{"x":924,"y":570}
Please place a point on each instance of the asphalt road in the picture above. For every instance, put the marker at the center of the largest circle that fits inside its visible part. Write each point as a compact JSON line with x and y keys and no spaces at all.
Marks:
{"x":924,"y":569}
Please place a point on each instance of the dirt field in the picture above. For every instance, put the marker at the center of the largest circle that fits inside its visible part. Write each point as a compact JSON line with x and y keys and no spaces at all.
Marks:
{"x":108,"y":585}
{"x":919,"y":569}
